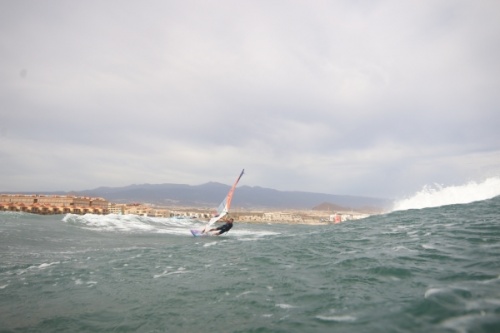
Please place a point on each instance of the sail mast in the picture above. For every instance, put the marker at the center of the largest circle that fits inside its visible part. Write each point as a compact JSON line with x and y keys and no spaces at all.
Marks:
{"x":223,"y":208}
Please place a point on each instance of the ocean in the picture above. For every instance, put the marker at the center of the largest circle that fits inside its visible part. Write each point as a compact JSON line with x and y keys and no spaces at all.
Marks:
{"x":432,"y":269}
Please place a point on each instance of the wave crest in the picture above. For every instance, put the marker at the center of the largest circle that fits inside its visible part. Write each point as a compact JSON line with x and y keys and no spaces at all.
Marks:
{"x":438,"y":195}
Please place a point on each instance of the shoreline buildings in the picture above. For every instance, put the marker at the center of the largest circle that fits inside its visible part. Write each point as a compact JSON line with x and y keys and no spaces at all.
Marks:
{"x":53,"y":204}
{"x":66,"y":204}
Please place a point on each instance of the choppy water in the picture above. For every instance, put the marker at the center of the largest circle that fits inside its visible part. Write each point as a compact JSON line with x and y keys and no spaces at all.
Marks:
{"x":428,"y":270}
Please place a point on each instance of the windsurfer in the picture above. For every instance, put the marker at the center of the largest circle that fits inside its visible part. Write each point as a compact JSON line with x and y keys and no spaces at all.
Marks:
{"x":223,"y":228}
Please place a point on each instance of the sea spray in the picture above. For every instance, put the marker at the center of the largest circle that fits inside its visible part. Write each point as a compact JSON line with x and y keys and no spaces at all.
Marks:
{"x":438,"y":195}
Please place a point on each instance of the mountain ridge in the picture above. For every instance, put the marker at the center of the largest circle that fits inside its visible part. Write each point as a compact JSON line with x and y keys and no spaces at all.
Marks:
{"x":249,"y":197}
{"x":209,"y":195}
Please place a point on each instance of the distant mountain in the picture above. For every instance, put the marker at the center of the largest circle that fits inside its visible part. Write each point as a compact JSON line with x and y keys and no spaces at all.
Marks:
{"x":211,"y":194}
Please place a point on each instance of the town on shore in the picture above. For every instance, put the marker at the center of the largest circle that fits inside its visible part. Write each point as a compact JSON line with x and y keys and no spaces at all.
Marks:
{"x":67,"y":204}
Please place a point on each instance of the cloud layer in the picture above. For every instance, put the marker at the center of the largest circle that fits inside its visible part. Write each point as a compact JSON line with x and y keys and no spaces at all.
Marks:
{"x":348,"y":97}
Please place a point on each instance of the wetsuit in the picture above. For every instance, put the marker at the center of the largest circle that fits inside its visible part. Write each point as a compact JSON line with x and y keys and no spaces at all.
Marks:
{"x":224,"y":228}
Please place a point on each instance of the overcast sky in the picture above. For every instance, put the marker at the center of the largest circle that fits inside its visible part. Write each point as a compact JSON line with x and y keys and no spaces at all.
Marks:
{"x":373,"y":98}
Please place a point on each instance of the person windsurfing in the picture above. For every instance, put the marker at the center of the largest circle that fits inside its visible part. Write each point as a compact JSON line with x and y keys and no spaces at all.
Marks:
{"x":223,"y":228}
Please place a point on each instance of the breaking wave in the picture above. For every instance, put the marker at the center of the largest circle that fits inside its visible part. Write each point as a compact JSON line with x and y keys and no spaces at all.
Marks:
{"x":131,"y":223}
{"x":438,"y":195}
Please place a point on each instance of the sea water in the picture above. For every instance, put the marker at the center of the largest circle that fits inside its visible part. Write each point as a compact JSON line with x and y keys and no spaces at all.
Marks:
{"x":416,"y":270}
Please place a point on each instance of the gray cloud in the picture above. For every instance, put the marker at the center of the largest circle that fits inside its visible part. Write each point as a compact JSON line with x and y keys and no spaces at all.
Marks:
{"x":368,"y":97}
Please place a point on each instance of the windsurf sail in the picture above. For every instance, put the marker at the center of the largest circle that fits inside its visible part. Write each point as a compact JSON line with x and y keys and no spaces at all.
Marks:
{"x":223,"y":208}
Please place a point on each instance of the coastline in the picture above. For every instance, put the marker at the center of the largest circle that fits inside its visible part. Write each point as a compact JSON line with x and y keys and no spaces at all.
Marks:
{"x":54,"y":205}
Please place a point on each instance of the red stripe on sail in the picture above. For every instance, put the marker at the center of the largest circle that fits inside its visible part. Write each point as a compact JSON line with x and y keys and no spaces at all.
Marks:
{"x":230,"y":194}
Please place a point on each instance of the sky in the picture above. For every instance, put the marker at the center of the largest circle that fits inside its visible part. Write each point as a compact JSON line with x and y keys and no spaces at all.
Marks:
{"x":350,"y":97}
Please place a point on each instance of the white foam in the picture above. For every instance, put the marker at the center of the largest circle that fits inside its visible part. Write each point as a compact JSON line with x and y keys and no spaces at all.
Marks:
{"x":180,"y":270}
{"x":345,"y":318}
{"x":245,"y":293}
{"x":432,"y":291}
{"x":438,"y":195}
{"x":42,"y":266}
{"x":130,"y":223}
{"x":39,"y":267}
{"x":144,"y":224}
{"x":285,"y":306}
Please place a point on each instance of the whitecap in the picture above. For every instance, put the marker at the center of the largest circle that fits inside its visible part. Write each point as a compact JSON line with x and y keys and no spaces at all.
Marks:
{"x":432,"y":291}
{"x":345,"y":318}
{"x":439,"y":195}
{"x":180,"y":270}
{"x":285,"y":306}
{"x":41,"y":266}
{"x":111,"y":222}
{"x":245,"y":293}
{"x":177,"y":272}
{"x":160,"y":275}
